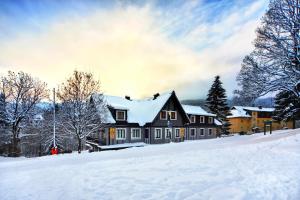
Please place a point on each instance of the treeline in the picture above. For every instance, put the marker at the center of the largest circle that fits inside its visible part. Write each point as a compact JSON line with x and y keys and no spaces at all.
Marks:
{"x":27,"y":124}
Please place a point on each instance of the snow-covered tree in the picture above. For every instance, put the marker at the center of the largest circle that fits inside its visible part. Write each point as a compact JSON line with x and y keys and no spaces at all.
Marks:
{"x":22,"y":93}
{"x":274,"y":65}
{"x":80,"y":115}
{"x":217,"y":103}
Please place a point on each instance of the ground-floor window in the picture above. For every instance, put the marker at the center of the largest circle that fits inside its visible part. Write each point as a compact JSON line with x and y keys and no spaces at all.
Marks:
{"x":210,"y":131}
{"x":168,"y":133}
{"x":121,"y":133}
{"x":135,"y":133}
{"x":192,"y":132}
{"x":158,"y":133}
{"x":177,"y":132}
{"x":202,"y":131}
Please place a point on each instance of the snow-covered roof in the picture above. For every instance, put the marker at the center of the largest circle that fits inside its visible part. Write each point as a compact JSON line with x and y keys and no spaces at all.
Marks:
{"x":217,"y":122}
{"x":241,"y":111}
{"x":257,"y":109}
{"x":196,"y":110}
{"x":138,"y":111}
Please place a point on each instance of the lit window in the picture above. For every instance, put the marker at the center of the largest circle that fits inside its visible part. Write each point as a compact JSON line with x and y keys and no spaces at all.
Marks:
{"x":193,"y":119}
{"x":120,"y":115}
{"x":163,"y":115}
{"x":173,"y":115}
{"x":135,"y":133}
{"x":158,"y":133}
{"x":121,"y":134}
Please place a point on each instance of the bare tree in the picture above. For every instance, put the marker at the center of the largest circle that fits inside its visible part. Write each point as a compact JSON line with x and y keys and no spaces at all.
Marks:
{"x":22,"y":93}
{"x":80,"y":114}
{"x":274,"y":65}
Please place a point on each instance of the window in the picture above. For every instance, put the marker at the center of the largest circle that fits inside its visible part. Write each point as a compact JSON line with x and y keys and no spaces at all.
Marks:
{"x":158,"y":133}
{"x":209,"y":131}
{"x":163,"y":115}
{"x":135,"y":133}
{"x":177,"y":133}
{"x":202,"y":119}
{"x":173,"y":115}
{"x":168,"y":133}
{"x":210,"y":120}
{"x":120,"y":115}
{"x":121,"y":134}
{"x":202,"y":131}
{"x":193,"y":119}
{"x":192,"y":132}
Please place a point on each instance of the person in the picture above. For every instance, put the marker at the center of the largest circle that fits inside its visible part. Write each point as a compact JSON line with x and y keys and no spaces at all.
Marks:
{"x":54,"y":150}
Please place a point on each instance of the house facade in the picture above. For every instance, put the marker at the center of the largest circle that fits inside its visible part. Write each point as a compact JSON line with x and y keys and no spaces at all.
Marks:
{"x":156,"y":120}
{"x":251,"y":119}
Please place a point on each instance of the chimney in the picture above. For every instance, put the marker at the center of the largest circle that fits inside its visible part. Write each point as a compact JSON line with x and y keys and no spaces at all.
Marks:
{"x":155,"y":96}
{"x":260,"y":107}
{"x":127,"y":97}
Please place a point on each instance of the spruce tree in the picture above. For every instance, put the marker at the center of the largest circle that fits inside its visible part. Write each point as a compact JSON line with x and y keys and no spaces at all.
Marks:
{"x":217,"y":103}
{"x":3,"y":117}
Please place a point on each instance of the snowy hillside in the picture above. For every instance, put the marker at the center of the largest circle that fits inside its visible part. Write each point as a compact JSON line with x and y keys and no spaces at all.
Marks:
{"x":238,"y":167}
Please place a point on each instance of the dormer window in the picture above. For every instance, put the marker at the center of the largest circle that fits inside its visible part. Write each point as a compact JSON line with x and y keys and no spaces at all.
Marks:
{"x":163,"y":115}
{"x":173,"y":115}
{"x":120,"y":115}
{"x":193,"y":118}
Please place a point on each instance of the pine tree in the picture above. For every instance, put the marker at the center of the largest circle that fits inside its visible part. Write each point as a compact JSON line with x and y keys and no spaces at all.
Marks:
{"x":286,"y":106}
{"x":2,"y":109}
{"x":217,"y":103}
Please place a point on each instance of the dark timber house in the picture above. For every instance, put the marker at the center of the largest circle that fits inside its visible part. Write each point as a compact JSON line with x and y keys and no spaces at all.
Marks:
{"x":156,"y":120}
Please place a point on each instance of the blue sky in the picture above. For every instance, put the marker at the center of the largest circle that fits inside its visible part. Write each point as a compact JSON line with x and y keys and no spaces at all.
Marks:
{"x":146,"y":46}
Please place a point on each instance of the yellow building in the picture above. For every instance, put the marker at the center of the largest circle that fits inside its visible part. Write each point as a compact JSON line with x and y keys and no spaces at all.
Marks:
{"x":251,"y":119}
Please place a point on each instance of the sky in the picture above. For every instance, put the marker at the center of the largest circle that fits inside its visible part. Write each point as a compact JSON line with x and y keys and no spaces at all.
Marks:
{"x":134,"y":48}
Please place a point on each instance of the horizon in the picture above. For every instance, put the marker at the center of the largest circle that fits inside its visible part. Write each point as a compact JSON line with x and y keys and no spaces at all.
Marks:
{"x":134,"y":48}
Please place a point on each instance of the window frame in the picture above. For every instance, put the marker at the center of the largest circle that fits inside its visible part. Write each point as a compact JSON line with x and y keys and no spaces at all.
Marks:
{"x":166,"y":133}
{"x":140,"y":134}
{"x":202,"y":119}
{"x":202,"y":129}
{"x":193,"y":121}
{"x":156,"y":138}
{"x":118,"y":138}
{"x":119,"y":111}
{"x":170,"y":113}
{"x":210,"y":120}
{"x":210,"y":134}
{"x":177,"y":129}
{"x":194,"y":132}
{"x":161,"y":118}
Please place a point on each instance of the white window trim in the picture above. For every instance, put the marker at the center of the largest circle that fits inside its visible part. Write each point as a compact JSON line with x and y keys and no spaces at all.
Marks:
{"x":193,"y":117}
{"x":118,"y":119}
{"x":155,"y":133}
{"x":166,"y":133}
{"x":117,"y":138}
{"x":210,"y":120}
{"x":135,"y":138}
{"x":171,"y":115}
{"x":191,"y":132}
{"x":178,"y":132}
{"x":210,"y":134}
{"x":166,"y":115}
{"x":203,"y":132}
{"x":202,"y":119}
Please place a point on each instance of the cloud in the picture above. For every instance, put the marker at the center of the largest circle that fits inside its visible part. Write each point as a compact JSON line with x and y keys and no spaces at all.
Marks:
{"x":135,"y":50}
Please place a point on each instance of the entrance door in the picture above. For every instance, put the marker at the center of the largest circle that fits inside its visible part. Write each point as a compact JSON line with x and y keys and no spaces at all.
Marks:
{"x":147,"y":134}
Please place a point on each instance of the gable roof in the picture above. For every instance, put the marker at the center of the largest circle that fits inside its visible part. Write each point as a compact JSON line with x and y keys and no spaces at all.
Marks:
{"x":241,"y":111}
{"x":196,"y":110}
{"x":138,"y":111}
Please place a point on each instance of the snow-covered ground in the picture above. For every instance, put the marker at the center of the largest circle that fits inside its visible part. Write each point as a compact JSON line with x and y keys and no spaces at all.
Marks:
{"x":238,"y":167}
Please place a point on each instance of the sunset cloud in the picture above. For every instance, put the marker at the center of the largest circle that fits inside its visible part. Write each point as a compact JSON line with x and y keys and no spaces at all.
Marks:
{"x":134,"y":49}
